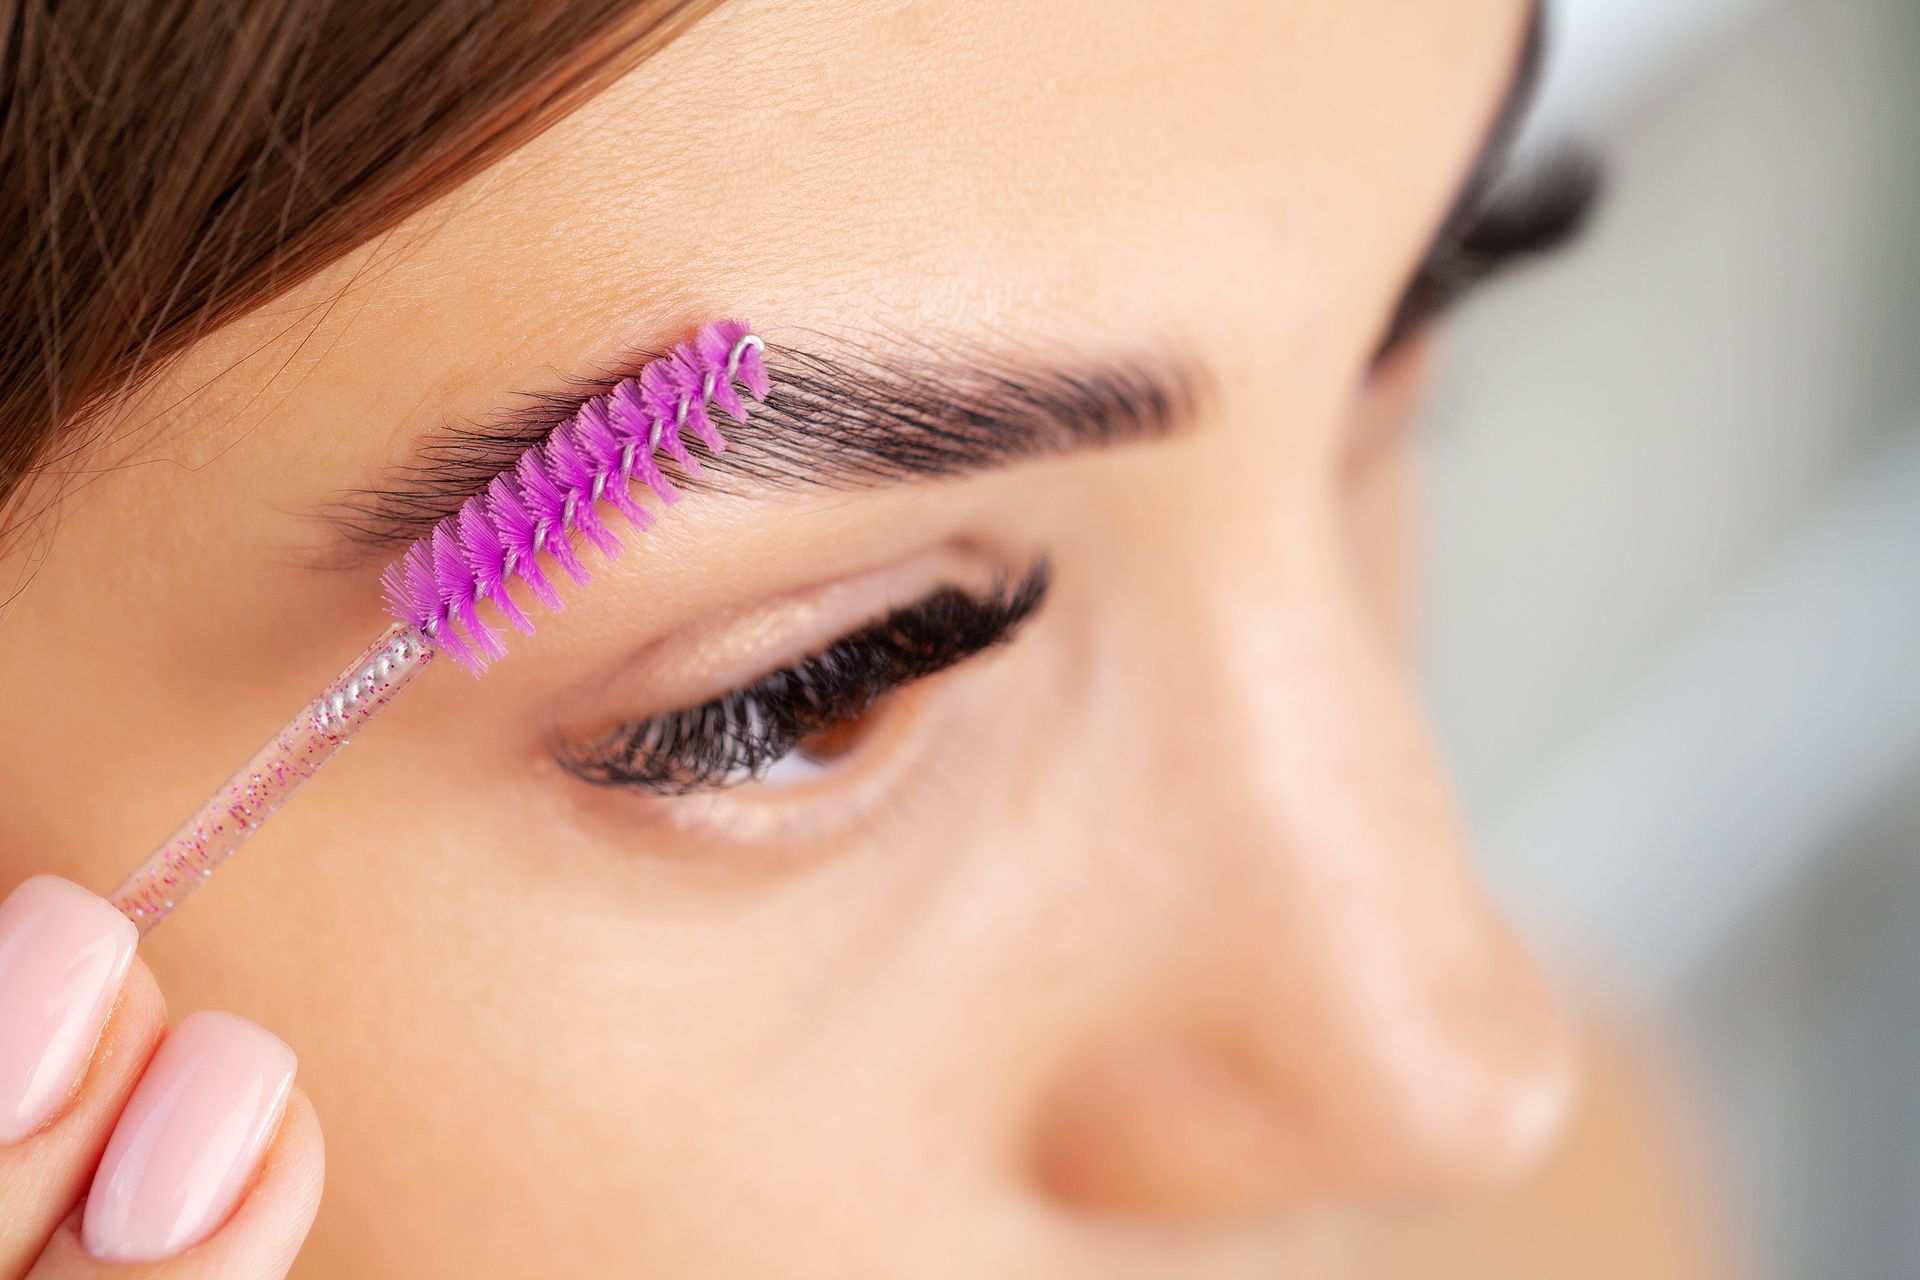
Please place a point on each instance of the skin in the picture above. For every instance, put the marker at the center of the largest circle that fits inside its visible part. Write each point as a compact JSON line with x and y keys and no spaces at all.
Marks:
{"x":1146,"y":946}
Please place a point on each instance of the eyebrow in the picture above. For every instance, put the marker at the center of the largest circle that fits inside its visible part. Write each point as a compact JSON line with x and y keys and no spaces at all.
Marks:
{"x":840,"y":415}
{"x":858,"y":416}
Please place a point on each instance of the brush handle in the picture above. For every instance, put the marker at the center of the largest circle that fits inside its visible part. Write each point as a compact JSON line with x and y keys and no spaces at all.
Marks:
{"x":250,"y":796}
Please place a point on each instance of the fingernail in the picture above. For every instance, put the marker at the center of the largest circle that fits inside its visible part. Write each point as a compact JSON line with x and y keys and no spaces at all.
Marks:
{"x":188,"y":1143}
{"x":63,"y":952}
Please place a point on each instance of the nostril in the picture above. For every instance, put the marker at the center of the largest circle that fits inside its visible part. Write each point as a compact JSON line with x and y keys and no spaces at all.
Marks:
{"x":1159,"y":1132}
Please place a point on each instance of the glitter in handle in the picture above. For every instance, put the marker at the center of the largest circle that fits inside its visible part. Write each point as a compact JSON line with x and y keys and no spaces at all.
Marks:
{"x":210,"y":836}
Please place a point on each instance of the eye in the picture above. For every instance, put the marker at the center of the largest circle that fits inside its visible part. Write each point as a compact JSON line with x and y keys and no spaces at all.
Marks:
{"x":795,"y":724}
{"x":1498,"y":223}
{"x":817,"y":755}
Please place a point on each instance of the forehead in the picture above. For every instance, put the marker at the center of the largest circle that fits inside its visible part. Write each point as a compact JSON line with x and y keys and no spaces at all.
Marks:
{"x":1242,"y":177}
{"x":1082,"y":164}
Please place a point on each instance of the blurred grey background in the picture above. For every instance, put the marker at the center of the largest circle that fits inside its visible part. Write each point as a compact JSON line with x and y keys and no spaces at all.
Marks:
{"x":1673,"y":588}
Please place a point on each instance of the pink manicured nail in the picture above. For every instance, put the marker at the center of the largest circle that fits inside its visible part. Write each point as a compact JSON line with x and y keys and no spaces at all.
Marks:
{"x":190,"y":1139}
{"x":63,"y":953}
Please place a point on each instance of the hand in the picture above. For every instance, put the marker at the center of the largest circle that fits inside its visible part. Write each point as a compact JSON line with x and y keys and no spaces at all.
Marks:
{"x":127,"y":1150}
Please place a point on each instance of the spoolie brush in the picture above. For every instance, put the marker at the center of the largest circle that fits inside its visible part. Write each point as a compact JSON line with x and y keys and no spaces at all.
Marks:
{"x":555,"y":488}
{"x":559,"y":489}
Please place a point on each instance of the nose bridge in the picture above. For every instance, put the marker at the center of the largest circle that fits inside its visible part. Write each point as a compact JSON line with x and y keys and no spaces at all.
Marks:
{"x":1310,"y":885}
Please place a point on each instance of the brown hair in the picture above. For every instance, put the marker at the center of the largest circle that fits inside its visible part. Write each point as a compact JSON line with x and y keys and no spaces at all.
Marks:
{"x":169,"y":164}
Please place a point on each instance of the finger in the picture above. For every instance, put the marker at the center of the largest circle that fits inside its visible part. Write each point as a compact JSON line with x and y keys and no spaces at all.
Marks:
{"x":213,"y":1172}
{"x":66,"y":968}
{"x":260,"y":1240}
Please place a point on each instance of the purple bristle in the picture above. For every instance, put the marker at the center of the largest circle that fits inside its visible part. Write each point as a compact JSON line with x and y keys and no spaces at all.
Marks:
{"x":572,"y":470}
{"x":630,"y":420}
{"x":488,"y":555}
{"x":684,"y":371}
{"x":514,"y":524}
{"x":455,"y":580}
{"x":408,"y":585}
{"x":661,"y":395}
{"x":751,"y":371}
{"x":606,"y":448}
{"x":426,"y":608}
{"x":712,"y":347}
{"x":552,"y":491}
{"x":547,"y":503}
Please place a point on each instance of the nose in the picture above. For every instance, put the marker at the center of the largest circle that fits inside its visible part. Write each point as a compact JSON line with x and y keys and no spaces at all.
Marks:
{"x":1310,"y":1001}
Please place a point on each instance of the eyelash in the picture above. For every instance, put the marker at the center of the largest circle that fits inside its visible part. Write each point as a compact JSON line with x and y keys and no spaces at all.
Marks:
{"x":740,"y":735}
{"x":1497,"y":224}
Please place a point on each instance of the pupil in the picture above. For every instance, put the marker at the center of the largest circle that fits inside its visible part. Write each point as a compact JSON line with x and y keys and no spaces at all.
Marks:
{"x":829,"y":746}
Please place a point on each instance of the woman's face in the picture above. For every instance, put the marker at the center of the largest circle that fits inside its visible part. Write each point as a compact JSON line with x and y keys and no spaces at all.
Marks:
{"x":1141,"y":944}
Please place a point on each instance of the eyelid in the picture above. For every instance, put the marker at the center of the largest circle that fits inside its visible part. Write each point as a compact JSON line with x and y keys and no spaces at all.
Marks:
{"x":708,"y":740}
{"x":719,"y":650}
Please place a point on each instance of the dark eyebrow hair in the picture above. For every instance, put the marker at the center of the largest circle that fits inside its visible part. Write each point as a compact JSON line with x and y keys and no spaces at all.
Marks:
{"x":841,"y":415}
{"x":855,"y":415}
